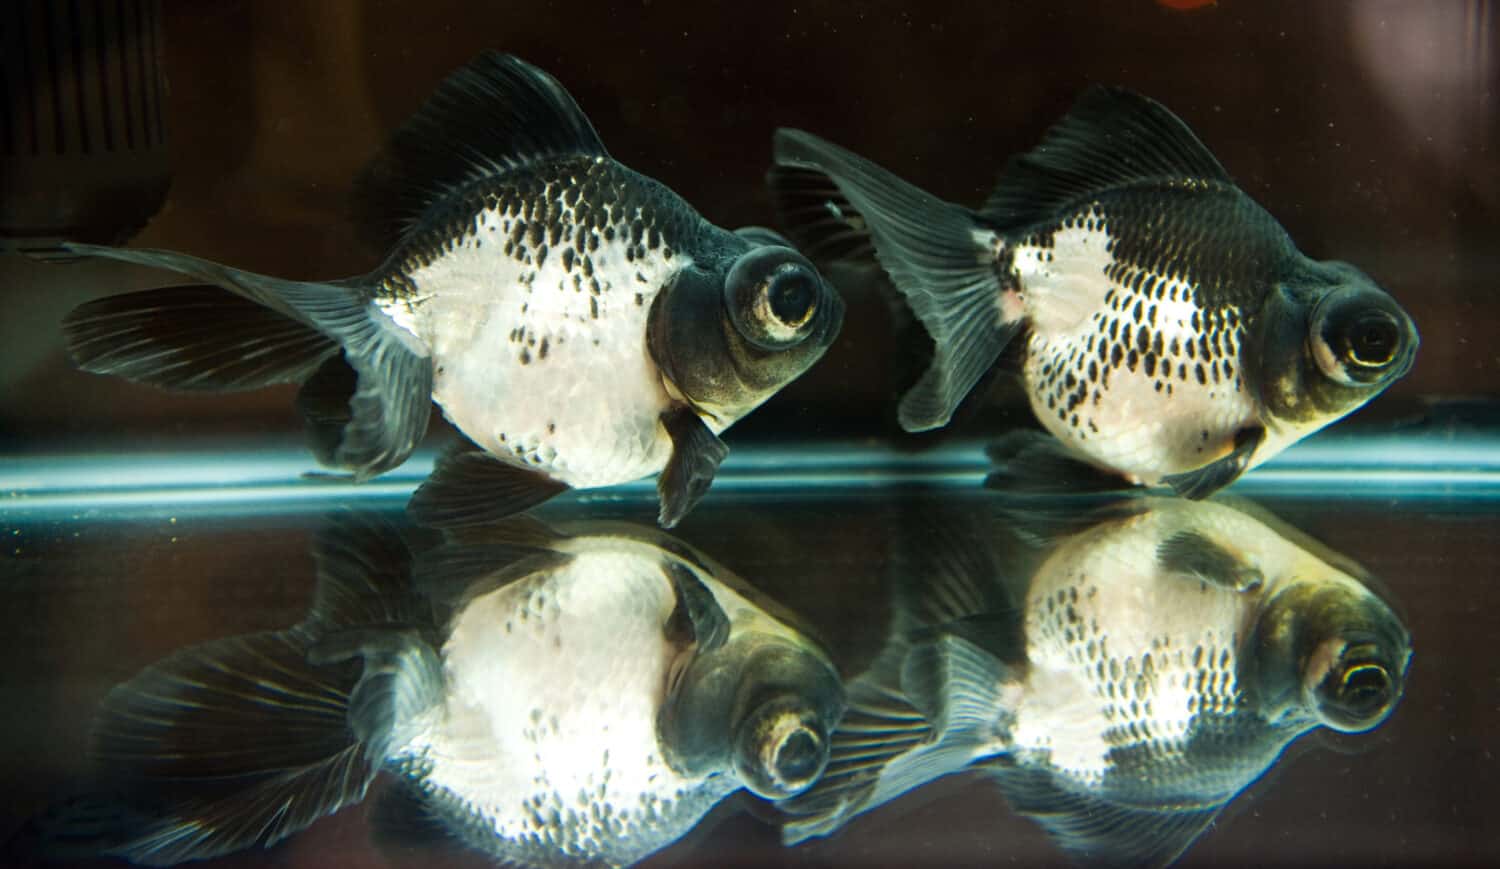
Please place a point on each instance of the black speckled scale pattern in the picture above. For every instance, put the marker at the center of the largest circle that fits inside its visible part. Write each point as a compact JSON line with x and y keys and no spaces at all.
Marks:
{"x":1186,"y":269}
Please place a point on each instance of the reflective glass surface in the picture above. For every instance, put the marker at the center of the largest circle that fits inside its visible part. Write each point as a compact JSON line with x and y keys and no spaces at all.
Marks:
{"x":892,"y":628}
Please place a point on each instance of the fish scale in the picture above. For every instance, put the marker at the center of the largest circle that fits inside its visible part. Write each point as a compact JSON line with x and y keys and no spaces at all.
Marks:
{"x":1143,"y":666}
{"x":1163,"y":343}
{"x":1176,"y":334}
{"x":578,"y":323}
{"x":562,"y":279}
{"x":512,"y":775}
{"x":1120,"y":670}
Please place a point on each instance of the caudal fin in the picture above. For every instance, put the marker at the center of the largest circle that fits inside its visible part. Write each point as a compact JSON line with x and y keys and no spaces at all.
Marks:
{"x":247,"y":740}
{"x":933,"y":250}
{"x":930,"y":704}
{"x":265,"y":330}
{"x":193,"y":338}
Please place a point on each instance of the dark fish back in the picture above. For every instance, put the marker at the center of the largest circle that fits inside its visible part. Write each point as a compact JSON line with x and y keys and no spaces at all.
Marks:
{"x":565,"y":208}
{"x":1208,"y":235}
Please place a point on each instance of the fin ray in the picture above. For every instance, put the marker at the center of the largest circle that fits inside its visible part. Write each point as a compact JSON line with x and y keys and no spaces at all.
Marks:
{"x":1096,"y":831}
{"x":930,"y":250}
{"x":822,"y":222}
{"x":471,"y":487}
{"x":1194,"y":556}
{"x":207,"y":732}
{"x":697,"y":614}
{"x":392,"y":399}
{"x":496,"y":114}
{"x":696,"y":455}
{"x":455,"y":572}
{"x":1111,"y":137}
{"x":246,"y":740}
{"x":1030,"y":462}
{"x":1202,"y":482}
{"x":192,"y":338}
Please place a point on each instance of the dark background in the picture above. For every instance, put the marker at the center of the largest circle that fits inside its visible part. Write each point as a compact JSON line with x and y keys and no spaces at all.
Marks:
{"x":1369,"y":129}
{"x":94,"y":602}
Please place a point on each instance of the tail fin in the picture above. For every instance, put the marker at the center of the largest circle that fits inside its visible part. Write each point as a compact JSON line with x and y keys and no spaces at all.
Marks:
{"x":933,"y":701}
{"x":245,"y":741}
{"x":934,"y":251}
{"x":199,"y":338}
{"x":194,"y":338}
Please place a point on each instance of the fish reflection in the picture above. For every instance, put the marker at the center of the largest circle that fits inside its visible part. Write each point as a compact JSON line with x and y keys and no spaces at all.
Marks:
{"x":1122,"y":674}
{"x":549,"y":699}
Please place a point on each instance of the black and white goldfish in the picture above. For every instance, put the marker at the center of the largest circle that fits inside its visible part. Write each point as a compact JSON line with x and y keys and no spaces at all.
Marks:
{"x":1174,"y":333}
{"x":546,"y":699}
{"x":1122,"y":682}
{"x":579,"y":322}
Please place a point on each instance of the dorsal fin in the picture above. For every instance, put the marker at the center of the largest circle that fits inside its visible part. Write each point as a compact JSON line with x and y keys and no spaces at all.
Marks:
{"x":1111,"y":137}
{"x":493,"y":116}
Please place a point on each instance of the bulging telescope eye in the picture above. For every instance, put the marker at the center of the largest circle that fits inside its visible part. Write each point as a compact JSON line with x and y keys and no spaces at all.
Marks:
{"x":773,"y":296}
{"x":781,"y":749}
{"x":791,"y":294}
{"x":1358,"y":691}
{"x":1372,"y":340}
{"x":1361,"y":337}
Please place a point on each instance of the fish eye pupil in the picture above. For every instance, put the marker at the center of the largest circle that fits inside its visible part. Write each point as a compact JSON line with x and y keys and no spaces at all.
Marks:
{"x":1364,"y":688}
{"x":791,"y":298}
{"x":1374,"y":341}
{"x":798,"y":757}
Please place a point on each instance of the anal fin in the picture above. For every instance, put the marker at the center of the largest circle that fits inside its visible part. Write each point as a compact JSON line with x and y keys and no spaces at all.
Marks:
{"x":1097,"y":832}
{"x":472,"y":487}
{"x":1202,"y":482}
{"x":696,"y":454}
{"x":1029,"y":462}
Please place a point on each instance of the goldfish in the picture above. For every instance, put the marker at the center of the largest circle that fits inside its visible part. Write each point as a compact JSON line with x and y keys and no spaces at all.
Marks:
{"x":1172,"y":331}
{"x":579,"y":323}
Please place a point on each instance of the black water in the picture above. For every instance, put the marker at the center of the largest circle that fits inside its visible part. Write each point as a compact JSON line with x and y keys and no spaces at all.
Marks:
{"x":134,"y":523}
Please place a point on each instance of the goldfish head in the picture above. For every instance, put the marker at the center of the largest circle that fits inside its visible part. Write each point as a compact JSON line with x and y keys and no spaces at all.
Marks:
{"x":727,"y":339}
{"x":763,"y":706}
{"x":1329,"y":341}
{"x":1335,"y":651}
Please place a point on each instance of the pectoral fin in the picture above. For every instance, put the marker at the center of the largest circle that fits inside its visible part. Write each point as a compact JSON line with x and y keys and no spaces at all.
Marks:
{"x":1193,"y":556}
{"x":697,"y":618}
{"x":696,"y":454}
{"x":1202,"y":482}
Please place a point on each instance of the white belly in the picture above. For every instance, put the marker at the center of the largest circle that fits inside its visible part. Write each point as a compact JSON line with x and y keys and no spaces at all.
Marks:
{"x":1145,"y":404}
{"x":1130,"y":425}
{"x":548,"y":734}
{"x":547,"y":366}
{"x":1143,"y":410}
